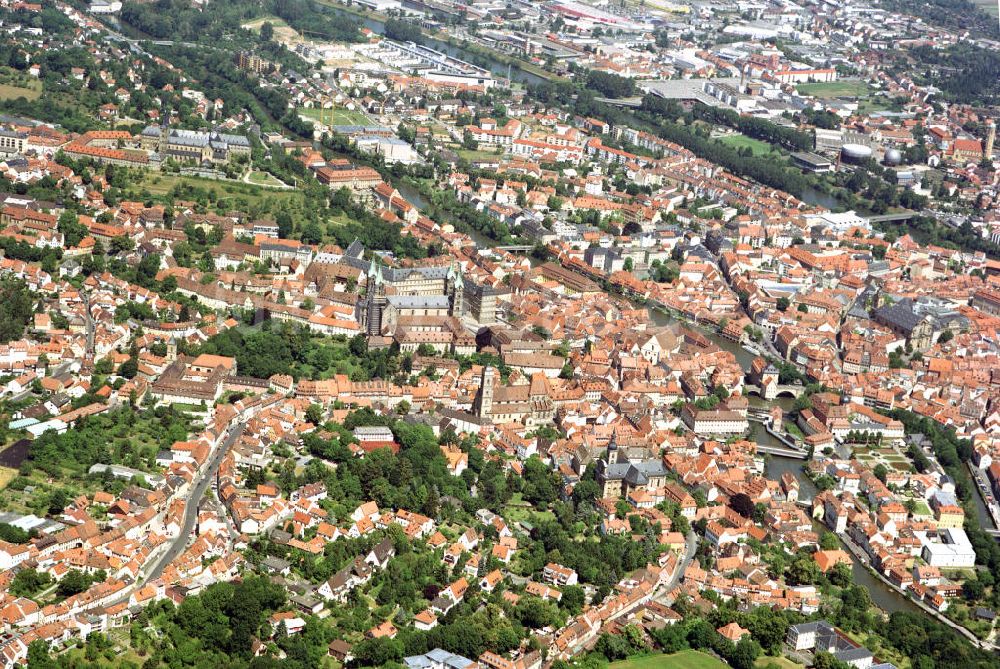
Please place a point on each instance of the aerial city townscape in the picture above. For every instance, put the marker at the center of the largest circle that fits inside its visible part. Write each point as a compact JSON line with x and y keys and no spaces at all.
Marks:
{"x":499,"y":334}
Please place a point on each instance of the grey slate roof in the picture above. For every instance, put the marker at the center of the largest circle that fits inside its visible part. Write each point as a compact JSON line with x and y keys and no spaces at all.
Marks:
{"x":634,"y":473}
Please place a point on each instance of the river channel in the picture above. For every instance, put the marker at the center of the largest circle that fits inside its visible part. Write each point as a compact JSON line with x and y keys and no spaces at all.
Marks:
{"x":498,"y":68}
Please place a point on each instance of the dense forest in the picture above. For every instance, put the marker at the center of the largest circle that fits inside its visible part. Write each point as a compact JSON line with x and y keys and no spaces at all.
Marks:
{"x":965,"y":73}
{"x":16,"y":309}
{"x":952,"y":14}
{"x":180,"y":20}
{"x":403,"y":31}
{"x":295,"y":351}
{"x":610,"y":85}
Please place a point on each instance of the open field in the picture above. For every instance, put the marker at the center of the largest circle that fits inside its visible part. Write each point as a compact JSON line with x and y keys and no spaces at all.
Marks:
{"x":264,"y":179}
{"x":991,"y":7}
{"x":781,"y":662}
{"x":8,"y":92}
{"x":686,"y":659}
{"x":758,"y":147}
{"x":282,"y":31}
{"x":6,"y":476}
{"x":868,"y":101}
{"x":472,"y":154}
{"x":334,"y":116}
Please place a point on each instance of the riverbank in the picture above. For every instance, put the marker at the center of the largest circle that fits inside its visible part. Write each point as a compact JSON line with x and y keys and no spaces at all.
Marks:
{"x":885,"y":597}
{"x":860,"y":555}
{"x":503,"y":59}
{"x":442,"y":41}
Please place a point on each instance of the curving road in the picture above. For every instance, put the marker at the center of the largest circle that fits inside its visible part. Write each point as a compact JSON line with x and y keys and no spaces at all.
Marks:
{"x":690,"y":548}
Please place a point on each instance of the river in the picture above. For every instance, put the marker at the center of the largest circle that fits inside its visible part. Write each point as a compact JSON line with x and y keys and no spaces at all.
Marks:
{"x":820,"y":199}
{"x":496,"y":67}
{"x":883,"y":596}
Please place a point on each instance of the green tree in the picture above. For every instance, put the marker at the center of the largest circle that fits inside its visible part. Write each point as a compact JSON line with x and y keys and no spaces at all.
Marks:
{"x":16,"y":309}
{"x":74,"y":582}
{"x":378,"y":652}
{"x":745,"y":654}
{"x":28,"y":581}
{"x":828,"y":541}
{"x":129,"y":368}
{"x":71,"y":229}
{"x":284,"y":221}
{"x":314,"y":414}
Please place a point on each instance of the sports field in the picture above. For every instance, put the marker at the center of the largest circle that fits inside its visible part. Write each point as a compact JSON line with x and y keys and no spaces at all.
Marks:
{"x":835,"y":89}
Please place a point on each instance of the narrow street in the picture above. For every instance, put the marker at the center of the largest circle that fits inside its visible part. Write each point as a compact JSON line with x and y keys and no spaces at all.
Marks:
{"x":192,"y":503}
{"x":90,"y":325}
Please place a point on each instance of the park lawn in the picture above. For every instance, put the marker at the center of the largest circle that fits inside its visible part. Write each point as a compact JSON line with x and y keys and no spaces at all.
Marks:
{"x":189,"y":408}
{"x":686,"y":659}
{"x":872,"y":104}
{"x":160,"y":185}
{"x":758,"y":147}
{"x":257,"y":23}
{"x":835,"y":89}
{"x":265,"y":179}
{"x":119,"y":654}
{"x":517,"y":511}
{"x":782,"y":662}
{"x":8,"y":92}
{"x":336,"y":116}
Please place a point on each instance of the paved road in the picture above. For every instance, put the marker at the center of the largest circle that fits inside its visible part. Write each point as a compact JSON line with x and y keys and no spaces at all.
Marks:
{"x":90,"y":325}
{"x":690,"y":548}
{"x":192,"y":500}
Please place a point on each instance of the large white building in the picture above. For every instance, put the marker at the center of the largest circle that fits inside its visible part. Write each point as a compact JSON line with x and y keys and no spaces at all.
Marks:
{"x":714,"y":421}
{"x":950,"y":548}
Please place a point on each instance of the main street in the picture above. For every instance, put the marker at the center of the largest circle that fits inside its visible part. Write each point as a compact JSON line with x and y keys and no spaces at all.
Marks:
{"x":192,"y":502}
{"x":90,"y":324}
{"x":690,"y":548}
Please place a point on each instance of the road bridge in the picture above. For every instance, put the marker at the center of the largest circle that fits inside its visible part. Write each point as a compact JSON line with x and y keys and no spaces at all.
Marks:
{"x":898,"y":217}
{"x":634,"y":103}
{"x":787,"y":390}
